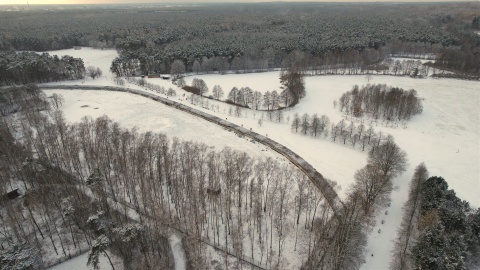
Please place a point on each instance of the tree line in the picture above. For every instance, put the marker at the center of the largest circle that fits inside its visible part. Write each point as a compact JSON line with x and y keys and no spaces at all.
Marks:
{"x":252,"y":37}
{"x":29,"y":67}
{"x":216,"y":30}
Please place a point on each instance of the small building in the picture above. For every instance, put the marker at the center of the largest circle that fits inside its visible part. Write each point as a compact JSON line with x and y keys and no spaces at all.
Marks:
{"x":166,"y":77}
{"x":12,"y":195}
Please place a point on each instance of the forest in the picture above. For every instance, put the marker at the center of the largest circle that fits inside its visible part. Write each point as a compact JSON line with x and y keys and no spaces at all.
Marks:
{"x":256,"y":36}
{"x":438,"y":230}
{"x":17,"y":68}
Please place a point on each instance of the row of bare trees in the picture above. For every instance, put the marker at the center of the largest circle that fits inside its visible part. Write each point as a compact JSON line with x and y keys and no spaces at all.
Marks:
{"x":344,"y":132}
{"x":402,"y":257}
{"x":343,"y":240}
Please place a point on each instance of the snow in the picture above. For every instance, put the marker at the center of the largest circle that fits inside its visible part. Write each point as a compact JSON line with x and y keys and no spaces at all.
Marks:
{"x":445,"y":136}
{"x":380,"y":242}
{"x":80,"y":263}
{"x":178,"y":253}
{"x":423,"y":61}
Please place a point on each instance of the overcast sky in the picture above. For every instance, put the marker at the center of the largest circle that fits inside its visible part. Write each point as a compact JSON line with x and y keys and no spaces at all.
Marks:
{"x":33,"y":2}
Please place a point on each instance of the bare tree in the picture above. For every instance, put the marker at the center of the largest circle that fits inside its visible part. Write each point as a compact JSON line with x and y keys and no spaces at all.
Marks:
{"x":267,"y":100}
{"x":93,"y":72}
{"x":177,"y":68}
{"x":279,"y":115}
{"x":200,"y":85}
{"x":323,"y":124}
{"x":217,"y":92}
{"x":305,"y":123}
{"x":286,"y":97}
{"x":296,"y":122}
{"x":57,"y":100}
{"x":257,"y":100}
{"x":334,"y":132}
{"x":233,"y":95}
{"x":274,"y":100}
{"x":389,"y":158}
{"x":315,"y":125}
{"x":374,"y":187}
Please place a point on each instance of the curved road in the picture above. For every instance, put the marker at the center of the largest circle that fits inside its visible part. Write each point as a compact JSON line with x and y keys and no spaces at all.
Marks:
{"x":315,"y":177}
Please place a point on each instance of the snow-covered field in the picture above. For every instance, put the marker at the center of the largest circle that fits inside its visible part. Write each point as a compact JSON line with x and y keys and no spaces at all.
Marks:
{"x":446,"y":136}
{"x":147,"y":115}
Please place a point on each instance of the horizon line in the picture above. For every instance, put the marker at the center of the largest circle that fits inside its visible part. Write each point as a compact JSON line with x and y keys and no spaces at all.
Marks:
{"x":245,"y":2}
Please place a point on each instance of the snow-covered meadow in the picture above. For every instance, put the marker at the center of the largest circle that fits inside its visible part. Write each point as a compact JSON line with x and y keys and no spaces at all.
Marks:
{"x":446,"y":136}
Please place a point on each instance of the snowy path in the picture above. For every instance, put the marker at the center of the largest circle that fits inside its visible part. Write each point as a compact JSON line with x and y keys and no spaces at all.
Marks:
{"x":380,"y":240}
{"x":178,"y":253}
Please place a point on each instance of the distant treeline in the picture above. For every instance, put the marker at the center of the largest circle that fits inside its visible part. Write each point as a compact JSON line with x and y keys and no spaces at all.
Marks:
{"x":252,"y":36}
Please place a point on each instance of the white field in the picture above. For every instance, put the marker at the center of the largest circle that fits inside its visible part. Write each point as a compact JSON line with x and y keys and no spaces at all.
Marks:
{"x":446,"y":136}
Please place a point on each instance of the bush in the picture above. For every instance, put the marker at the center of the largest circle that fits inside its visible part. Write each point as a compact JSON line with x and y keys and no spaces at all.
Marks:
{"x":192,"y":90}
